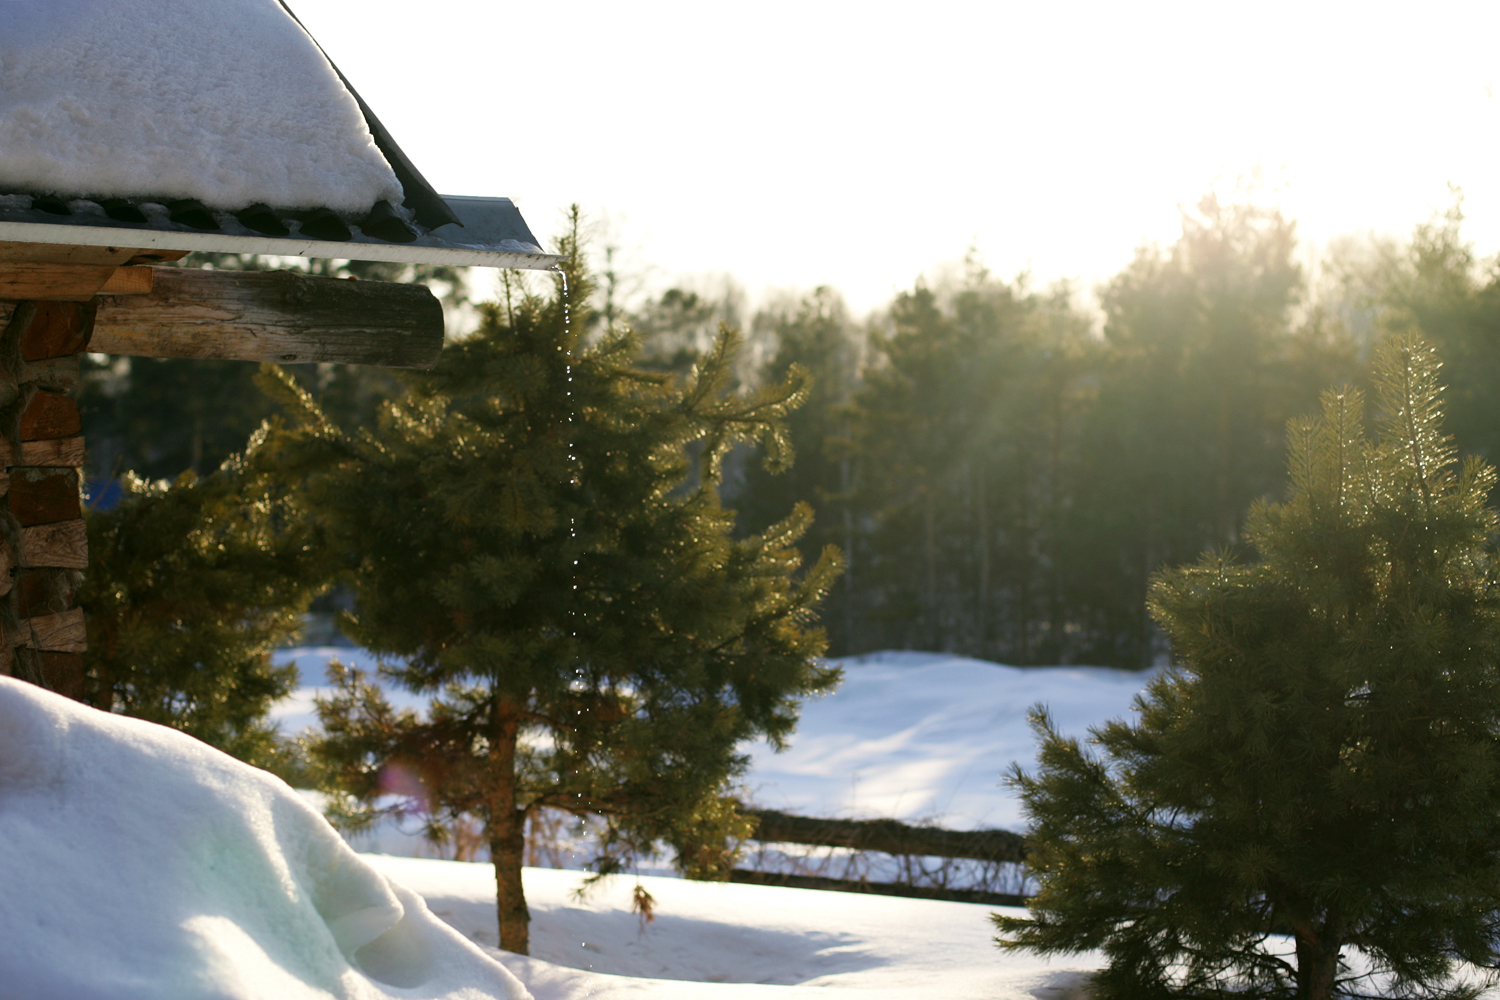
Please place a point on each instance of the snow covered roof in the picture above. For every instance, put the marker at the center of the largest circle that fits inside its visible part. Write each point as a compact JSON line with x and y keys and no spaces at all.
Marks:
{"x":214,"y":126}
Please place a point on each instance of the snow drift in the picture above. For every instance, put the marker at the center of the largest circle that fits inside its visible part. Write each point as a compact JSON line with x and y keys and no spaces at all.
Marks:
{"x":228,"y":102}
{"x":140,"y":863}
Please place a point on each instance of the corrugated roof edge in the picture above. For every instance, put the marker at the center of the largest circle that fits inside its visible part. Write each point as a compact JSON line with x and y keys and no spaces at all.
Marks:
{"x":493,"y":235}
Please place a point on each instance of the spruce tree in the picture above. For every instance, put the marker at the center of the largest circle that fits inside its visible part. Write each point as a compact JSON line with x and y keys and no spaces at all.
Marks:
{"x":536,"y":540}
{"x":191,"y":585}
{"x":1320,"y":771}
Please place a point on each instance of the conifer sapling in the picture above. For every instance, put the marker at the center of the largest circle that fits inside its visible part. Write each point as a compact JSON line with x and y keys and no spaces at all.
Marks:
{"x":535,"y":532}
{"x":1319,"y":772}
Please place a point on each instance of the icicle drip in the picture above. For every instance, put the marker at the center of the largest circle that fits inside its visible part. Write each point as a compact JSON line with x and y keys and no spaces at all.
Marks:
{"x":572,"y":465}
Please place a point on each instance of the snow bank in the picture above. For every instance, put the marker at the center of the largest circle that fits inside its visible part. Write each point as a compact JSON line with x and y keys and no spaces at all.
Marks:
{"x":139,"y":863}
{"x":718,"y":941}
{"x":228,"y":102}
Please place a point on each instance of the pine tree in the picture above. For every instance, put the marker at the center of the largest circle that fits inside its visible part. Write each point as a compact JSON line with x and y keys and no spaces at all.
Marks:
{"x":815,"y":334}
{"x":530,"y":536}
{"x":1322,"y":763}
{"x":1205,"y":364}
{"x":958,"y":432}
{"x":191,"y":585}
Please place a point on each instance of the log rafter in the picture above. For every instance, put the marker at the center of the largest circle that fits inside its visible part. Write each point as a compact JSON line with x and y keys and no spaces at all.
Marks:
{"x":277,"y":316}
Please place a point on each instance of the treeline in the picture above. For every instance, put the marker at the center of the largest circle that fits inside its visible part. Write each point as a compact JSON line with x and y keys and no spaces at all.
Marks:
{"x":1005,"y":471}
{"x":1003,"y":468}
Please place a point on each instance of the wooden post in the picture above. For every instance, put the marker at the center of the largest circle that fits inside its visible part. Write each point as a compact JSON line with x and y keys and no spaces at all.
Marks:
{"x":43,"y":539}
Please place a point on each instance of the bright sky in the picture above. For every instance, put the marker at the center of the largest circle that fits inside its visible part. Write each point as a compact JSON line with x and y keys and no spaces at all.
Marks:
{"x":859,"y":145}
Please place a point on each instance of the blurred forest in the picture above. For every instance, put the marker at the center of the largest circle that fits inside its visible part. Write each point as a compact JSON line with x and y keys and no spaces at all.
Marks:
{"x":1004,"y":466}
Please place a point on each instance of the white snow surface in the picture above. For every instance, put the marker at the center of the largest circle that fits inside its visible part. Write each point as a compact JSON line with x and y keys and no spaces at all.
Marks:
{"x":910,"y":736}
{"x":719,"y":941}
{"x":228,"y":101}
{"x":929,"y":736}
{"x":139,"y":863}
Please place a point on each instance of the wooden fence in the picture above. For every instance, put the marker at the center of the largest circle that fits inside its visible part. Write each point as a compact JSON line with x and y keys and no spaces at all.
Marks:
{"x":887,"y":836}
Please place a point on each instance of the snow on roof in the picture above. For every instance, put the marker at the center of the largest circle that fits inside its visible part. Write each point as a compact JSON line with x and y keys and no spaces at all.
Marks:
{"x":214,"y":126}
{"x":230,"y":103}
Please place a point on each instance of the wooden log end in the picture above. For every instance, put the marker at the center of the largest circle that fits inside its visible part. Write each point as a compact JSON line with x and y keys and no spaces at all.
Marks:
{"x":57,"y":374}
{"x":59,"y":633}
{"x":42,"y":592}
{"x":134,"y":280}
{"x":50,"y":415}
{"x":54,"y":329}
{"x":64,"y":545}
{"x":54,"y":452}
{"x":43,"y":495}
{"x":57,"y":671}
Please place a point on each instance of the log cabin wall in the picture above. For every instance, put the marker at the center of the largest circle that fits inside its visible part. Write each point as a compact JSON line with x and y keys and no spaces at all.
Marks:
{"x":56,"y":302}
{"x":43,"y":539}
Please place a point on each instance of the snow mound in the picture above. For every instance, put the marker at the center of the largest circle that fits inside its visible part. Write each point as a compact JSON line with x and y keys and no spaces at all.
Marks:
{"x":229,"y":102}
{"x":140,"y":863}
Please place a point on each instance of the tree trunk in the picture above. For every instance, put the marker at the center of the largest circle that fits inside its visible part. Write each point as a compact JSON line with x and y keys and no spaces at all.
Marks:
{"x":507,"y":832}
{"x":1317,"y":964}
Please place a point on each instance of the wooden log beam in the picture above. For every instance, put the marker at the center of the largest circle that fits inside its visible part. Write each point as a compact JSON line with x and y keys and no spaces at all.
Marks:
{"x":46,"y":281}
{"x":276,"y":316}
{"x":62,"y":253}
{"x":58,"y":453}
{"x":53,"y":282}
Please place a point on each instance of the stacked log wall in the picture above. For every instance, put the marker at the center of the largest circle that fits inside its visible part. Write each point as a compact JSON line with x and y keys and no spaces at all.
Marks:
{"x":43,"y":538}
{"x":58,"y":301}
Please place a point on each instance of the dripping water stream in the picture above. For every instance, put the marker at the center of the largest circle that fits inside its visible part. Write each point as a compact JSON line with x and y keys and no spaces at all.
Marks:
{"x":572,"y":476}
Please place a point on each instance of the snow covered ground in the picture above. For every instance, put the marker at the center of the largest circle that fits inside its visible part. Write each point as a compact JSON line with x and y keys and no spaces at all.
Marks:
{"x":910,"y":736}
{"x":927,"y":736}
{"x":139,"y":863}
{"x":738,"y":942}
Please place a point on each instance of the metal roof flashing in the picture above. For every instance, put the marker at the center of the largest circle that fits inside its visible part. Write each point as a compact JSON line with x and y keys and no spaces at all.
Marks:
{"x":493,"y":234}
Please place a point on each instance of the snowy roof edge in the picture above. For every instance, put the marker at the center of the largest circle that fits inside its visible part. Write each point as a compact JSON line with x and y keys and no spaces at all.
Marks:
{"x":429,"y":208}
{"x":493,"y":235}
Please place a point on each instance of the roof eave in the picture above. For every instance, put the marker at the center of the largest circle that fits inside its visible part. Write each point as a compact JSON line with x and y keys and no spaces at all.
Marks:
{"x":493,"y":235}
